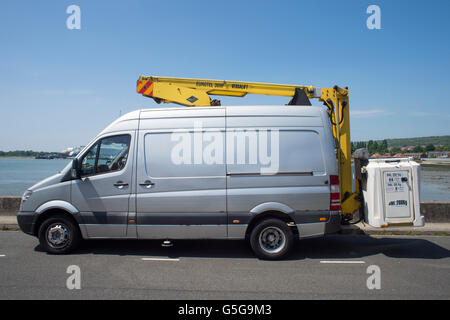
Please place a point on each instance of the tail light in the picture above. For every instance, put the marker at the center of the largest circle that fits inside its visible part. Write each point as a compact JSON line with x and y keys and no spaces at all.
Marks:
{"x":335,"y":198}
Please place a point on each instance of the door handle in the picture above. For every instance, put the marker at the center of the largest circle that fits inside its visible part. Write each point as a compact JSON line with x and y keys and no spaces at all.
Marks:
{"x":147,"y":184}
{"x":120,"y":184}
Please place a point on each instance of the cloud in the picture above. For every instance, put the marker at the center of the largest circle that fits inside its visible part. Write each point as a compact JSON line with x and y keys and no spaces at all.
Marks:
{"x":367,"y":113}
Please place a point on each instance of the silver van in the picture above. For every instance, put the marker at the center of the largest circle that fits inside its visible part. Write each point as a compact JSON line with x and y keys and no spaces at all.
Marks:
{"x":267,"y":174}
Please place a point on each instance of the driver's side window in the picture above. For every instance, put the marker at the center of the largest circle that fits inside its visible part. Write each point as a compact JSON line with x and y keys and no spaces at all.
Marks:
{"x":88,"y":162}
{"x":106,"y":155}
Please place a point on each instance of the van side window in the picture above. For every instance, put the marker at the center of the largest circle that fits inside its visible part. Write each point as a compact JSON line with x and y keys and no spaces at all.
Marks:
{"x":107,"y":155}
{"x":88,"y":162}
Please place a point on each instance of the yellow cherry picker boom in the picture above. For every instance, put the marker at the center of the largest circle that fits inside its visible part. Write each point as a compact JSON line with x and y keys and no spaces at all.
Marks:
{"x":197,"y":92}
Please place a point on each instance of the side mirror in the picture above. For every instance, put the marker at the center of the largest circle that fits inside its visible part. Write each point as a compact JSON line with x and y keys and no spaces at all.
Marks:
{"x":75,"y":171}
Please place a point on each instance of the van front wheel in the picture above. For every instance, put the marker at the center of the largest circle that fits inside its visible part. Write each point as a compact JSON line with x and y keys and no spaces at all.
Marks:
{"x":59,"y":235}
{"x":271,"y":239}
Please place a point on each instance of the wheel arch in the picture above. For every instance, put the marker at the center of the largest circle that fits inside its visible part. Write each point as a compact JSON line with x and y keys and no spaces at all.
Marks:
{"x":53,"y":208}
{"x":283,"y":216}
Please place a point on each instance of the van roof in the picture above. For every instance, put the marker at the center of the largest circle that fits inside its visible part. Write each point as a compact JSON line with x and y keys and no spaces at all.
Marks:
{"x":126,"y":121}
{"x":267,"y":110}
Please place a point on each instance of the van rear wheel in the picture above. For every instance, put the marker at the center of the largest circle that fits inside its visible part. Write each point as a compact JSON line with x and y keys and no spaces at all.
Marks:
{"x":271,"y":239}
{"x":59,"y":235}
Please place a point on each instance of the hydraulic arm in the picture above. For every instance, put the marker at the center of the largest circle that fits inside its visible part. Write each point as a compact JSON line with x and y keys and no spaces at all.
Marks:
{"x":197,"y":92}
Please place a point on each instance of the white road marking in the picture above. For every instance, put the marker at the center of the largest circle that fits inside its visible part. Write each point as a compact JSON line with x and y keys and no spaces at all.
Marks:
{"x":2,"y":255}
{"x":160,"y":259}
{"x":342,"y":262}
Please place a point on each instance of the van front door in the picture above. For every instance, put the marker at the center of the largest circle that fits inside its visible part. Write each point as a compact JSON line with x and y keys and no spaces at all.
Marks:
{"x":103,"y":193}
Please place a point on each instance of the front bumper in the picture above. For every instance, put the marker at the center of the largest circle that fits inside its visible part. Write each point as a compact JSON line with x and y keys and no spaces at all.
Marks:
{"x":26,"y":221}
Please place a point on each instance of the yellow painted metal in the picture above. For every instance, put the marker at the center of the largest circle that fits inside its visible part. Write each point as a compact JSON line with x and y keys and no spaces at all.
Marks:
{"x":181,"y":95}
{"x":220,"y":87}
{"x":196,"y":92}
{"x":337,"y":100}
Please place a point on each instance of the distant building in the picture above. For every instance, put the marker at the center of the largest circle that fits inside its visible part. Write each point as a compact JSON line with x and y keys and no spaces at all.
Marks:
{"x":416,"y":156}
{"x":72,"y":151}
{"x":438,"y":154}
{"x":376,"y":155}
{"x":387,"y":155}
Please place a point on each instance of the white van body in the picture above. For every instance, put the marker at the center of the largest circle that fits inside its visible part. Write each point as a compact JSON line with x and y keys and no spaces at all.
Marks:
{"x":196,"y":173}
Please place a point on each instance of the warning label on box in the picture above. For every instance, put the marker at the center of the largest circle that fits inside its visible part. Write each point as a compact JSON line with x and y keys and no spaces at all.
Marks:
{"x":394,"y":182}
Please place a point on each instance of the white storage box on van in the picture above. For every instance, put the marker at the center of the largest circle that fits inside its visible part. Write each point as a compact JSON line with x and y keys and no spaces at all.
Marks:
{"x":391,"y":196}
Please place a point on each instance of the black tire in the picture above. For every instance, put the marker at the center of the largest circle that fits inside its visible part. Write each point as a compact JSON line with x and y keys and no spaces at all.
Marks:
{"x":271,"y":229}
{"x":63,"y":230}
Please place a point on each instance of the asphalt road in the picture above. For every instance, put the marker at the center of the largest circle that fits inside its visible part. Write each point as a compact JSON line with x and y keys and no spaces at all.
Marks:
{"x":334,"y":267}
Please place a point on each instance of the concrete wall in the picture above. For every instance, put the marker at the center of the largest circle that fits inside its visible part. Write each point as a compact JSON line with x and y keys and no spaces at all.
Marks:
{"x":433,"y":211}
{"x":9,"y":205}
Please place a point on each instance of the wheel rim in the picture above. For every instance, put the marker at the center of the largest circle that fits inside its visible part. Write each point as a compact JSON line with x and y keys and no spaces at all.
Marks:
{"x":272,"y":240}
{"x":58,"y":235}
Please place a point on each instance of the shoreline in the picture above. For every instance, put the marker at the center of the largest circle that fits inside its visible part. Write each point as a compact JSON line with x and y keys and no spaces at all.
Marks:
{"x":29,"y":157}
{"x":435,"y":166}
{"x":16,"y":157}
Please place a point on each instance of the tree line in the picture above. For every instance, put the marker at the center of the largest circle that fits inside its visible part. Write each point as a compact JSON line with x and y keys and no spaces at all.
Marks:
{"x":382,"y":147}
{"x":22,"y":153}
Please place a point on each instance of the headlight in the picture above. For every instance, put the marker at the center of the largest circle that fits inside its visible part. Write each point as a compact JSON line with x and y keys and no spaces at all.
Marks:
{"x":27,"y":195}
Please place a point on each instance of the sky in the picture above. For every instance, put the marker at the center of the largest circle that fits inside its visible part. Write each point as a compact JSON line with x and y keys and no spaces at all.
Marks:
{"x":59,"y":87}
